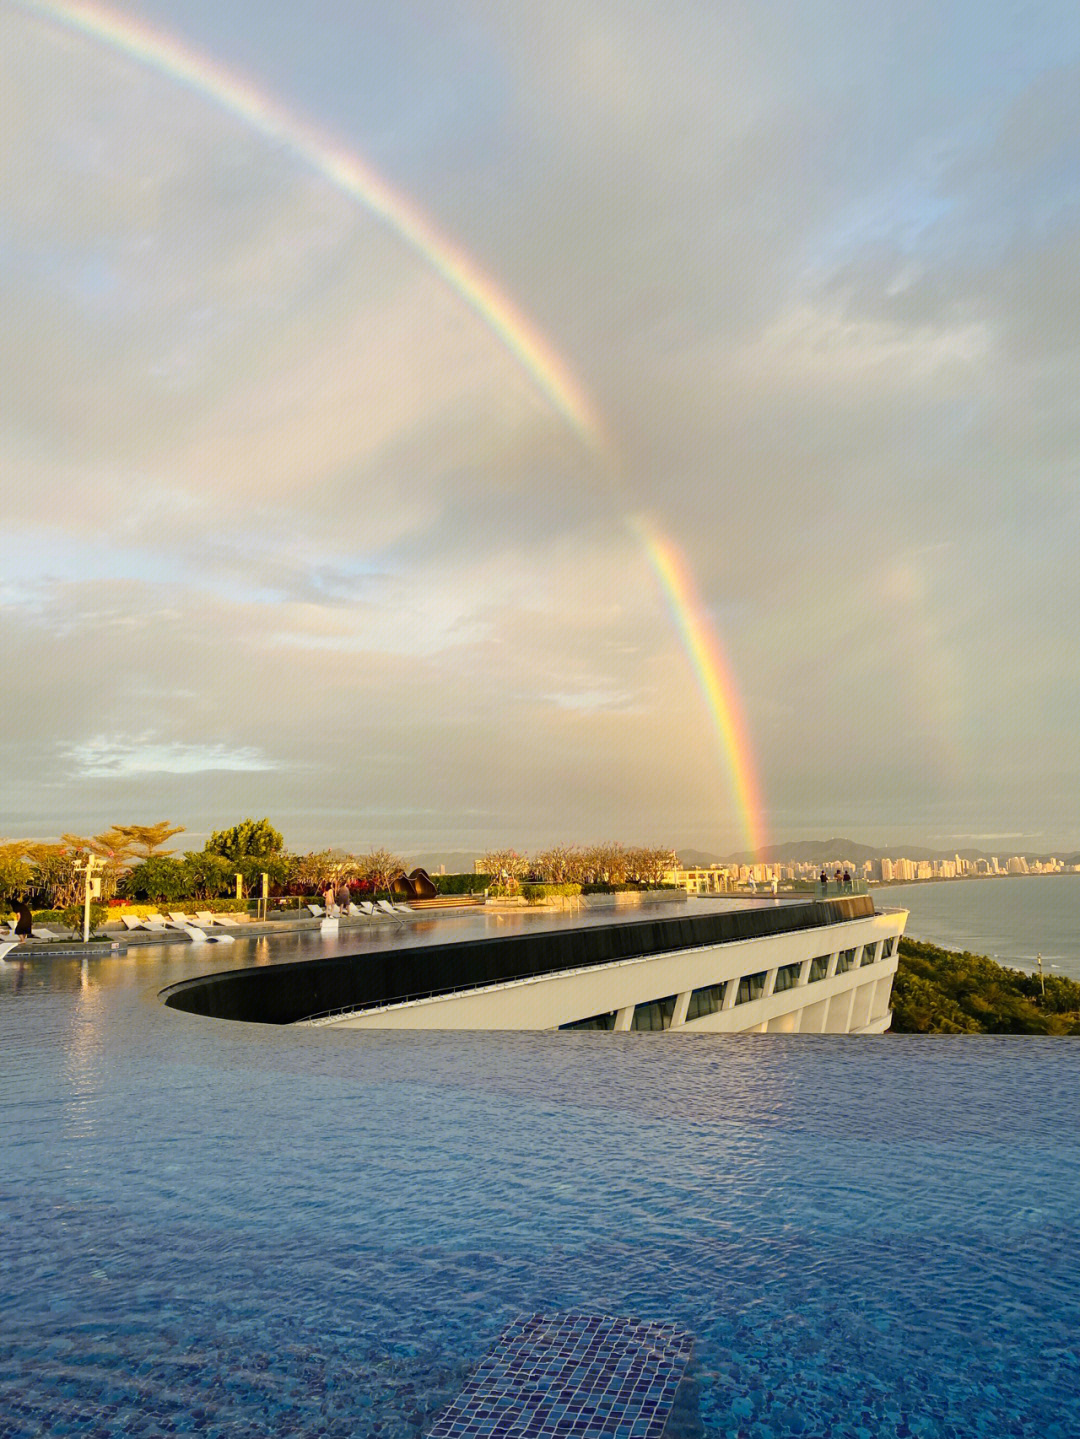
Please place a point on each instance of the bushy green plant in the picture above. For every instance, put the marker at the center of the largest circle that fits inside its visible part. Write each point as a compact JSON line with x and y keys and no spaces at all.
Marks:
{"x":251,"y":838}
{"x":537,"y":893}
{"x":461,"y":883}
{"x":72,"y":918}
{"x":159,"y":878}
{"x":207,"y":876}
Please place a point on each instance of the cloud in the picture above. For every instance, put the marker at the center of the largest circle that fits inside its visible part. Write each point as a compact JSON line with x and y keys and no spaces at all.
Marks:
{"x":275,"y":498}
{"x":128,"y":756}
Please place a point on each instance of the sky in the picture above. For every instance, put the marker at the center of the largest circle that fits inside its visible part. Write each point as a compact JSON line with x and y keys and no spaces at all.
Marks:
{"x":292,"y":528}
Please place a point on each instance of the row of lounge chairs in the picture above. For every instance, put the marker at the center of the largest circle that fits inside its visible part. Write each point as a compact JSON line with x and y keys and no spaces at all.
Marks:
{"x":178,"y":920}
{"x":195,"y":927}
{"x":367,"y":909}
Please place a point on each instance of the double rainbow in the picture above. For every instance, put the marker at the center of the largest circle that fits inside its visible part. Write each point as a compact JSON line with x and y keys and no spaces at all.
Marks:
{"x":553,"y":378}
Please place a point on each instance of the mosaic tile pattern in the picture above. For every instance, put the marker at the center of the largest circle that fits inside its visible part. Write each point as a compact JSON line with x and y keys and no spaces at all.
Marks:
{"x":577,"y":1375}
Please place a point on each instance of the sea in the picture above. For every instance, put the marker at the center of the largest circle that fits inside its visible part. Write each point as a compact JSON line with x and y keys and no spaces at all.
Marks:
{"x":1012,"y":919}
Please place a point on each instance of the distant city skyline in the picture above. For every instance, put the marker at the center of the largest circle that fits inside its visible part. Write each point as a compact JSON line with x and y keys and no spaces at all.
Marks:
{"x":350,"y":355}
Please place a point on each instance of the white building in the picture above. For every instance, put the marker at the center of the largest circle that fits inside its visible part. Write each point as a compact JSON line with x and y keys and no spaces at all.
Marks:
{"x":808,"y":967}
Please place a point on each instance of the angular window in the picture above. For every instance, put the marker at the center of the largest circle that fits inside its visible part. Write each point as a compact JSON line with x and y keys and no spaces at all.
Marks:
{"x":709,"y":1000}
{"x":819,"y":966}
{"x":846,"y":961}
{"x":890,"y":947}
{"x":751,"y":986}
{"x":656,"y":1015}
{"x":787,"y":977}
{"x":595,"y":1021}
{"x":869,"y":954}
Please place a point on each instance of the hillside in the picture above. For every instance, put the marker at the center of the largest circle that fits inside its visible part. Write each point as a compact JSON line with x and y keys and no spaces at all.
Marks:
{"x":937,"y":991}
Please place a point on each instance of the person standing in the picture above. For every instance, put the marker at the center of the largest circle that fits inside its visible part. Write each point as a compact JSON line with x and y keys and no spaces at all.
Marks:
{"x":24,"y":925}
{"x":343,"y":897}
{"x":328,"y":901}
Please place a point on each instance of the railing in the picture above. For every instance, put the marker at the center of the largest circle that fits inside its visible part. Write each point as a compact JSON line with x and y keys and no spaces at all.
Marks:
{"x":838,"y":888}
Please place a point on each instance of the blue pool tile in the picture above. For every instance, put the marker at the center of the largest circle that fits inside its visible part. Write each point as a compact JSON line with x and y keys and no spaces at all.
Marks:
{"x":584,"y":1375}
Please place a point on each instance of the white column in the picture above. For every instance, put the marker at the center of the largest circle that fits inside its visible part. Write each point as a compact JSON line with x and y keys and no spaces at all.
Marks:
{"x":770,"y":983}
{"x":623,"y":1019}
{"x":682,"y":1004}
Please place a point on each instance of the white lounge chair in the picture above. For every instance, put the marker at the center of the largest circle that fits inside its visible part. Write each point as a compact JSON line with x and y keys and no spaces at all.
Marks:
{"x":132,"y":921}
{"x":200,"y":936}
{"x":155,"y":921}
{"x":42,"y":933}
{"x":384,"y":906}
{"x":205,"y":917}
{"x":316,"y":910}
{"x":179,"y":918}
{"x":228,"y":920}
{"x":7,"y":945}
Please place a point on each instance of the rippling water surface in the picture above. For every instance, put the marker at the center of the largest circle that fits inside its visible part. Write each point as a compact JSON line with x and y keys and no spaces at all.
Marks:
{"x":222,"y":1229}
{"x":1012,"y":919}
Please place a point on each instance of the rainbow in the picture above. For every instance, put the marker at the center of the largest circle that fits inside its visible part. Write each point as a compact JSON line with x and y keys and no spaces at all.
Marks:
{"x":713,"y":673}
{"x":171,"y":56}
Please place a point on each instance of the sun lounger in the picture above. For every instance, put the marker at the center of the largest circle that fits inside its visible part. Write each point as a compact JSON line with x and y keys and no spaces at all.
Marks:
{"x":7,"y":945}
{"x":383,"y":906}
{"x":155,"y":921}
{"x":205,"y":917}
{"x":316,"y":910}
{"x":42,"y":933}
{"x":132,"y":921}
{"x":179,"y":918}
{"x":227,"y":920}
{"x":200,"y":936}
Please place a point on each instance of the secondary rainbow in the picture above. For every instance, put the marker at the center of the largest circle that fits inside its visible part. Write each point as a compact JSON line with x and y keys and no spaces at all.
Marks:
{"x":171,"y":56}
{"x":713,"y":673}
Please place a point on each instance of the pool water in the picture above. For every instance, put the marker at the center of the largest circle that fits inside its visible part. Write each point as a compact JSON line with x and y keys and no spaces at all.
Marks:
{"x":224,"y":1229}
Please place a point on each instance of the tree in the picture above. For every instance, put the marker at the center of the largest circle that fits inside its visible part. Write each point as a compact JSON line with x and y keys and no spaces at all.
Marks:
{"x":379,"y":866}
{"x":506,"y":867}
{"x":145,"y":839}
{"x":159,"y":878}
{"x":250,"y":839}
{"x":315,"y":871}
{"x":207,"y":876}
{"x":15,"y":870}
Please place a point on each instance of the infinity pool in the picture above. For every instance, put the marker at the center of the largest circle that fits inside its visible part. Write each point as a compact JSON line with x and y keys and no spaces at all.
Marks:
{"x":223,"y":1229}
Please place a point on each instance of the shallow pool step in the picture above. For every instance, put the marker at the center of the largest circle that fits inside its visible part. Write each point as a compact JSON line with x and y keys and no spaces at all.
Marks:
{"x":580,"y":1375}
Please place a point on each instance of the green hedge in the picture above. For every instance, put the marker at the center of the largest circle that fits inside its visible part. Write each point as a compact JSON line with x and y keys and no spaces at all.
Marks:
{"x":537,"y":893}
{"x":461,"y":883}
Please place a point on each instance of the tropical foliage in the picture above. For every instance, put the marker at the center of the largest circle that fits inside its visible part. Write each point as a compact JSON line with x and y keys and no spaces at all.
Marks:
{"x":250,"y":839}
{"x":939,"y":992}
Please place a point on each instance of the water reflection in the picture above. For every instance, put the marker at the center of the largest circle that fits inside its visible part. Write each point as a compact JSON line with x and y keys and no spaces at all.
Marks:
{"x":239,"y":1229}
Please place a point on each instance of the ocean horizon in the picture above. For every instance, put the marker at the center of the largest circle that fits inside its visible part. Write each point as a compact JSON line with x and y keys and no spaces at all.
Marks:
{"x":1012,"y":919}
